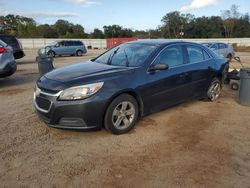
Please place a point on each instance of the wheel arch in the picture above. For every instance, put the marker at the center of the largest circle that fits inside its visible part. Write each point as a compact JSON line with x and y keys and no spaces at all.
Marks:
{"x":53,"y":51}
{"x":131,"y":92}
{"x":78,"y":49}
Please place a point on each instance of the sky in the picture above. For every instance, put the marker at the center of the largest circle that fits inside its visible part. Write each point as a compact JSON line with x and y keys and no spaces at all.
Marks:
{"x":133,"y":14}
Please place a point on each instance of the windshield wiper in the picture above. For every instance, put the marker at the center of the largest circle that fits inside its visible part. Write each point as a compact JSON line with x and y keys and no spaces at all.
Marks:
{"x":127,"y":61}
{"x":111,"y":56}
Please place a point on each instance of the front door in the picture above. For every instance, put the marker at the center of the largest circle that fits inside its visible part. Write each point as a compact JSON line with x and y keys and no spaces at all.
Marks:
{"x":168,"y":87}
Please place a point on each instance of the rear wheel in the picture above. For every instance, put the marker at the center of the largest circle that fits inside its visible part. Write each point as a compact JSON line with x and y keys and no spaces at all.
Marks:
{"x":214,"y":89}
{"x":79,"y":53}
{"x":121,"y":114}
{"x":235,"y":86}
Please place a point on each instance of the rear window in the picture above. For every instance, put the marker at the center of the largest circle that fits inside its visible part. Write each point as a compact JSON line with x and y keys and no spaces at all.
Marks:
{"x":78,"y":43}
{"x":222,"y":46}
{"x":215,"y":46}
{"x":3,"y":44}
{"x":69,"y":43}
{"x":8,"y":39}
{"x":197,"y":54}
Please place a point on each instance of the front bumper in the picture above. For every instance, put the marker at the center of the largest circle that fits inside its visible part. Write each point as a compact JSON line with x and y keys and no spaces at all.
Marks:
{"x":81,"y":114}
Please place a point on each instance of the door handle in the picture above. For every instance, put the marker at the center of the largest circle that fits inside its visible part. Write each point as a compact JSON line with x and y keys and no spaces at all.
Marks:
{"x":209,"y":68}
{"x":183,"y":75}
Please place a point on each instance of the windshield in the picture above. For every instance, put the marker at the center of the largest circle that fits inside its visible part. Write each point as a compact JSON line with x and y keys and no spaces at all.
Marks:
{"x":53,"y":44}
{"x":128,"y":54}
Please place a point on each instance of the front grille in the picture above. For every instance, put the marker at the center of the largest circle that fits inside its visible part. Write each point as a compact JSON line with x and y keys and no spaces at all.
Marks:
{"x":49,"y":91}
{"x":43,"y":103}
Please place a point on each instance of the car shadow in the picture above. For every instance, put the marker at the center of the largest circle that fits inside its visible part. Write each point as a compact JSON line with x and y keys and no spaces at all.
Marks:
{"x":18,"y":79}
{"x":21,"y":62}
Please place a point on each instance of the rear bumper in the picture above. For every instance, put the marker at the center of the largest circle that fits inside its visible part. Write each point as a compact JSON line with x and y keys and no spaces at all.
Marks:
{"x":19,"y":54}
{"x":8,"y":70}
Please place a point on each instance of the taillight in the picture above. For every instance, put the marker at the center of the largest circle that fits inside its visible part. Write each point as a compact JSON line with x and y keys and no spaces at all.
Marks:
{"x":2,"y":50}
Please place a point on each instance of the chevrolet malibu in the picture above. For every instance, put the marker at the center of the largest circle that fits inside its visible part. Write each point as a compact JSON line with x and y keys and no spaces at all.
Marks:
{"x":127,"y":82}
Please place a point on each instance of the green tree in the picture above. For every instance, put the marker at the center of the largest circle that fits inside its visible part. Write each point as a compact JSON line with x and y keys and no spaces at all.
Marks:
{"x":97,"y":34}
{"x":26,"y":30}
{"x":204,"y":27}
{"x":62,"y":27}
{"x":117,"y":31}
{"x":47,"y":31}
{"x":242,"y":26}
{"x":9,"y":24}
{"x":173,"y":24}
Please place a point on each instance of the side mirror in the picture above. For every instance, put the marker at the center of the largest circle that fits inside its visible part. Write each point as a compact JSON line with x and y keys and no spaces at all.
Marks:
{"x":57,"y":45}
{"x":158,"y":67}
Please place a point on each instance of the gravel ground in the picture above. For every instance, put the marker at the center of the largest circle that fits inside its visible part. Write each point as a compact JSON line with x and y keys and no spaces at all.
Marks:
{"x":195,"y":144}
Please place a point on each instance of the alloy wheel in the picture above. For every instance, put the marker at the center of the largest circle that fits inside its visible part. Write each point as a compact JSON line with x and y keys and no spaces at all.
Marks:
{"x":123,"y":115}
{"x":214,"y":91}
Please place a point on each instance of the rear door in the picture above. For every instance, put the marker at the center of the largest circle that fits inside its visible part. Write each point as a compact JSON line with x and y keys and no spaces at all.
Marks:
{"x":200,"y":70}
{"x":71,"y":46}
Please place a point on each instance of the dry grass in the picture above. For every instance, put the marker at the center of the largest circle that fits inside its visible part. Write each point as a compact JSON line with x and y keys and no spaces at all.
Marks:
{"x":241,"y":48}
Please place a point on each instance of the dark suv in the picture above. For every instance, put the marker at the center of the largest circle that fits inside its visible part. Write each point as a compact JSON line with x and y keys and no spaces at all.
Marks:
{"x":15,"y":44}
{"x":66,"y":47}
{"x":129,"y":81}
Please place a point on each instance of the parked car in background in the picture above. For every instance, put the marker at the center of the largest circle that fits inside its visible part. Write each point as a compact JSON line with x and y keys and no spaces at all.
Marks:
{"x":223,"y":49}
{"x":66,"y":47}
{"x":15,"y":44}
{"x":7,"y":60}
{"x":128,"y":81}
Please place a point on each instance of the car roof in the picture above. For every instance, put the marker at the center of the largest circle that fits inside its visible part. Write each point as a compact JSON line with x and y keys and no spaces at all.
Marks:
{"x":6,"y":35}
{"x":161,"y":42}
{"x":69,"y":41}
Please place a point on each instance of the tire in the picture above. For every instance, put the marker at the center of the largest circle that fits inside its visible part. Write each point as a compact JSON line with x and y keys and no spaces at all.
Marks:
{"x":9,"y":73}
{"x":51,"y":53}
{"x":79,"y":53}
{"x":226,"y":81}
{"x":235,"y":86}
{"x":121,"y":114}
{"x":214,"y":90}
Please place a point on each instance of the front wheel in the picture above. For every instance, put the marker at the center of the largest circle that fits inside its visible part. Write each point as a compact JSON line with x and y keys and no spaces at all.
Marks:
{"x":214,"y":90}
{"x":51,"y":54}
{"x":121,"y":114}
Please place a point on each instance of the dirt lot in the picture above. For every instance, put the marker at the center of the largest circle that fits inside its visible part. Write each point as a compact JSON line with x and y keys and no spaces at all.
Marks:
{"x":196,"y":144}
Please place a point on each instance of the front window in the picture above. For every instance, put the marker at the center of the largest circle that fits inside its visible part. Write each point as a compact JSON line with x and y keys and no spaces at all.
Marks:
{"x":171,"y":56}
{"x":128,"y":54}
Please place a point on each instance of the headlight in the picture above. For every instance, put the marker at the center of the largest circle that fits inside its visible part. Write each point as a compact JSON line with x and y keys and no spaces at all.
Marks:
{"x":80,"y":92}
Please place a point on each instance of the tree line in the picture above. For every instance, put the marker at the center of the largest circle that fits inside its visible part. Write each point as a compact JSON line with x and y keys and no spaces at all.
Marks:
{"x":230,"y":24}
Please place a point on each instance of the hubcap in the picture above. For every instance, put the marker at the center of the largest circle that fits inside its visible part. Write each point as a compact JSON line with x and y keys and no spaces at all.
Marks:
{"x":79,"y":53}
{"x":214,"y":91}
{"x":123,"y":115}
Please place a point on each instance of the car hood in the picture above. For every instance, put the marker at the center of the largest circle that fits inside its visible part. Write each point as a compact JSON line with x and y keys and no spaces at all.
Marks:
{"x":86,"y":71}
{"x":49,"y":46}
